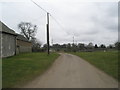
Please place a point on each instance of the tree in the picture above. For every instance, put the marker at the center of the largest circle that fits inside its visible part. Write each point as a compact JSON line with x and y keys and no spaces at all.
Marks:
{"x":69,"y":47}
{"x":63,"y":46}
{"x":45,"y":46}
{"x":81,"y":46}
{"x":117,"y":45}
{"x":56,"y":47}
{"x":27,"y":29}
{"x":90,"y":46}
{"x":36,"y":45}
{"x":96,"y":46}
{"x":110,"y":46}
{"x":102,"y":46}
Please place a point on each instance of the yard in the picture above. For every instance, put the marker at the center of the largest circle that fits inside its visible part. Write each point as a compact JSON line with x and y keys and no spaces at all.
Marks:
{"x":19,"y":69}
{"x":106,"y":61}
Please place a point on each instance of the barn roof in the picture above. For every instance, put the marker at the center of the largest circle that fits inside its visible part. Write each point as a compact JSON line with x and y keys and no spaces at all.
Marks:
{"x":21,"y":37}
{"x":5,"y":29}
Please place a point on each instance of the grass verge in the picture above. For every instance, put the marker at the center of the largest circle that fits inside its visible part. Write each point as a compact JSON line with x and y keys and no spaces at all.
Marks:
{"x":106,"y":61}
{"x":24,"y":67}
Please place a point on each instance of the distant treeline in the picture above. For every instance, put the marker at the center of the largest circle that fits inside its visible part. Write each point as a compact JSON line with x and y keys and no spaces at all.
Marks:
{"x":81,"y":47}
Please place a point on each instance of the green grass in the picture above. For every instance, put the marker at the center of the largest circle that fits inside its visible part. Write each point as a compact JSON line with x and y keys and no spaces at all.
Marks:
{"x":22,"y":68}
{"x":106,"y":61}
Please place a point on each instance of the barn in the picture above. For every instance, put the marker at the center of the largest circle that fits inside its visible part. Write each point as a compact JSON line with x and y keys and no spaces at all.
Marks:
{"x":8,"y":41}
{"x":23,"y":45}
{"x":12,"y":43}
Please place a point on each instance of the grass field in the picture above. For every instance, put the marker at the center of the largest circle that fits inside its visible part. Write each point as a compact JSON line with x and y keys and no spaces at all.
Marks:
{"x":106,"y":61}
{"x":19,"y":69}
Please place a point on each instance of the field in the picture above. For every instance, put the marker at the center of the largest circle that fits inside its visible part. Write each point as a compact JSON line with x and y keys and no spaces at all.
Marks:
{"x":106,"y":61}
{"x":20,"y":69}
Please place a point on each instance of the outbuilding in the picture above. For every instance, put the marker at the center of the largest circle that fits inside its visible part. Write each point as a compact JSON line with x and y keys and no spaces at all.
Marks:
{"x":12,"y":43}
{"x":23,"y":45}
{"x":8,"y":41}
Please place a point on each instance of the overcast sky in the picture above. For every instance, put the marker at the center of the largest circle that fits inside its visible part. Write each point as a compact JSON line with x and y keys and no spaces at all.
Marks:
{"x":95,"y":22}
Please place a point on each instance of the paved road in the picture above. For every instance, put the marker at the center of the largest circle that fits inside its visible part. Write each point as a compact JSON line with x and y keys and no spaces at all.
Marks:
{"x":70,"y":71}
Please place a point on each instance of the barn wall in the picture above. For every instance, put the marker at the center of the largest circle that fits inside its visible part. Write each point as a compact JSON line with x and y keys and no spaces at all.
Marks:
{"x":0,"y":45}
{"x":8,"y":45}
{"x":23,"y":46}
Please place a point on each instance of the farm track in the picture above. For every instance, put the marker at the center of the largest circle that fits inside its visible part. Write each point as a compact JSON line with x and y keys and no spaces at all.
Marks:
{"x":70,"y":71}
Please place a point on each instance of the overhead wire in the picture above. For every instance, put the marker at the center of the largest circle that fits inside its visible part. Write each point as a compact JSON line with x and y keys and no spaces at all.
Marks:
{"x":57,"y":22}
{"x":49,"y":14}
{"x":39,"y":6}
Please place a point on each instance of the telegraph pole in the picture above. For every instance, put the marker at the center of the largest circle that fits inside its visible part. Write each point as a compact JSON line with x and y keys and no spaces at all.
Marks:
{"x":48,"y":47}
{"x":73,"y":40}
{"x":52,"y":41}
{"x":73,"y":44}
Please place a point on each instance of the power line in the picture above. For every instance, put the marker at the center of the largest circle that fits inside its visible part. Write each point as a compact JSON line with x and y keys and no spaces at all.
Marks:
{"x":49,"y":14}
{"x":48,"y":46}
{"x":56,"y":21}
{"x":39,"y":6}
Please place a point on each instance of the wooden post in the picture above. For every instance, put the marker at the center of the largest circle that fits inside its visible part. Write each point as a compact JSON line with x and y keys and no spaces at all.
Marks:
{"x":48,"y":47}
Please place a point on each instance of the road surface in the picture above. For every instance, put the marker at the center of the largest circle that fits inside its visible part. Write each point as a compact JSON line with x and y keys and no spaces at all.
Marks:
{"x":70,"y":71}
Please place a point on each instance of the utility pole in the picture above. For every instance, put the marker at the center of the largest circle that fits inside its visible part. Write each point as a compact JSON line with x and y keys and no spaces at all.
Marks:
{"x":73,"y":40}
{"x":73,"y":44}
{"x":48,"y":47}
{"x":52,"y":41}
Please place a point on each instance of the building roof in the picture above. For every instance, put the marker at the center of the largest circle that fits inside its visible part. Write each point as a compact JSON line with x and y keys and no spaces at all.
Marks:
{"x":21,"y":37}
{"x":5,"y":29}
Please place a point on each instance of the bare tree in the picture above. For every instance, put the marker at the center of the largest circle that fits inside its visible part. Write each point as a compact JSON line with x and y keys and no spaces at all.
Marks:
{"x":36,"y":45}
{"x":27,"y":29}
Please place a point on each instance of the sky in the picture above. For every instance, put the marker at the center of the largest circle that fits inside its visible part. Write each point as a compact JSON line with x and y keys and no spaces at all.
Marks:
{"x":87,"y":21}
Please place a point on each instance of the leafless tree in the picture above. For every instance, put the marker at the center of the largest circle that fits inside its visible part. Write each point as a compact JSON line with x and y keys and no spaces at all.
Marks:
{"x":36,"y":45}
{"x":27,"y":29}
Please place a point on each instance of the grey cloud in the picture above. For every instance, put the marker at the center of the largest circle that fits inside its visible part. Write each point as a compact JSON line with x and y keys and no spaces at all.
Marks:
{"x":88,"y":22}
{"x":108,"y":23}
{"x":93,"y":31}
